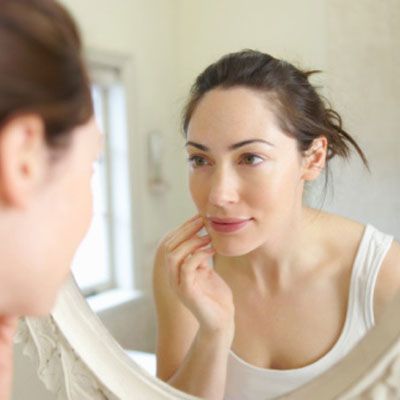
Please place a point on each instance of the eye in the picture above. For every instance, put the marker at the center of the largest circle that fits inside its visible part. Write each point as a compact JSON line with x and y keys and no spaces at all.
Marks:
{"x":251,"y":159}
{"x":197,"y":161}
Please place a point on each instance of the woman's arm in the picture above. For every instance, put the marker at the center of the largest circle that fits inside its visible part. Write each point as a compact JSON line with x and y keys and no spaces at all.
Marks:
{"x":195,"y":316}
{"x":203,"y":371}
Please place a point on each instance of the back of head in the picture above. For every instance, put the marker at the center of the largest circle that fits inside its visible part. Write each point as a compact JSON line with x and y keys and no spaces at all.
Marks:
{"x":41,"y":67}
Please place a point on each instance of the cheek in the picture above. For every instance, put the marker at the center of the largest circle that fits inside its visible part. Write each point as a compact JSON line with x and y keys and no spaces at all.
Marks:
{"x":198,"y":190}
{"x":290,"y":184}
{"x":78,"y":200}
{"x":85,"y":205}
{"x":272,"y":189}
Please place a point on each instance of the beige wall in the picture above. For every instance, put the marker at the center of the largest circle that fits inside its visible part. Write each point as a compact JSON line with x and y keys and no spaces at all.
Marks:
{"x":207,"y":29}
{"x":363,"y":66}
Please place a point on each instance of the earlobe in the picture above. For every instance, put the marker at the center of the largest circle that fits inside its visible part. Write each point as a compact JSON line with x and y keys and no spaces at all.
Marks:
{"x":315,"y":158}
{"x":22,"y":157}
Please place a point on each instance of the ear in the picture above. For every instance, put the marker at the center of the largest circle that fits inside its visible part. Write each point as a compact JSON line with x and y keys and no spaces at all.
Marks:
{"x":315,"y":158}
{"x":22,"y":158}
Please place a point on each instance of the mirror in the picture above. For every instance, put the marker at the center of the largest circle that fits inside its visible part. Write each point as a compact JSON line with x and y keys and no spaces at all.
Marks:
{"x":156,"y":49}
{"x":59,"y":347}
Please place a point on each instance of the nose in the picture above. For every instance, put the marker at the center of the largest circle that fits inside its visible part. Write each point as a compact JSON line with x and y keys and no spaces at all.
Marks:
{"x":223,"y":188}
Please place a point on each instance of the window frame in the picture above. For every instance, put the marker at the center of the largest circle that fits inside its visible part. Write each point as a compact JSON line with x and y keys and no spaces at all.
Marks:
{"x":123,"y":277}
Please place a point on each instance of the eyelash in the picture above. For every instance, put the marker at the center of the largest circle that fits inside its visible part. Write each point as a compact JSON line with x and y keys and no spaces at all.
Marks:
{"x":252,"y":155}
{"x":192,"y":160}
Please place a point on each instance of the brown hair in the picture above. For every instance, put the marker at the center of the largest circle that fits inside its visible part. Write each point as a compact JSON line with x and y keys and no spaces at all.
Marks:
{"x":41,"y":67}
{"x":301,"y":112}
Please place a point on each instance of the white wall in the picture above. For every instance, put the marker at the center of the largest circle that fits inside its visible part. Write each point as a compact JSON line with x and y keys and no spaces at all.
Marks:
{"x":207,"y":29}
{"x":363,"y":66}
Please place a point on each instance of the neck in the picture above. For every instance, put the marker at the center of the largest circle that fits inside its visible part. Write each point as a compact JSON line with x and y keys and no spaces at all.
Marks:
{"x":278,"y":263}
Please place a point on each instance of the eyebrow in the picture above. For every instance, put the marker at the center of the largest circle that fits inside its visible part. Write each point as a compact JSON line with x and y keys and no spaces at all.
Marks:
{"x":232,"y":146}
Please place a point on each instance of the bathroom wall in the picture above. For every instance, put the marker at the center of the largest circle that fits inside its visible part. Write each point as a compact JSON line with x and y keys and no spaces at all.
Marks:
{"x":363,"y":63}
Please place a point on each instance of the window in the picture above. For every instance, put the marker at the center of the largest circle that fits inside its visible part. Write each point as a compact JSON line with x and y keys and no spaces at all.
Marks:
{"x":104,"y":259}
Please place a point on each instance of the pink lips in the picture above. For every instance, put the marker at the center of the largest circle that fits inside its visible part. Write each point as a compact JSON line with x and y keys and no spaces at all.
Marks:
{"x":228,"y":225}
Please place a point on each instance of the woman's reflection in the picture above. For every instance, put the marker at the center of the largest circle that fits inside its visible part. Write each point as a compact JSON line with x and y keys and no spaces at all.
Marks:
{"x":293,"y":288}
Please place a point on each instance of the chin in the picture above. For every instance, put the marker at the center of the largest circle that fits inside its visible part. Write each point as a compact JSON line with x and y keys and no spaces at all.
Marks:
{"x":33,"y":307}
{"x":39,"y":299}
{"x":231,"y":249}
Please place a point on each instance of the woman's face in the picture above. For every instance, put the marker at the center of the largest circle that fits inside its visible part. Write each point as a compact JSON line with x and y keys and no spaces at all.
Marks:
{"x":50,"y":226}
{"x":70,"y":191}
{"x":245,"y":173}
{"x":70,"y":194}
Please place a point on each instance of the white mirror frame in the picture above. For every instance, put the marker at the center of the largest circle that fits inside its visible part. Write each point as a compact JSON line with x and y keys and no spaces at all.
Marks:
{"x":78,"y":359}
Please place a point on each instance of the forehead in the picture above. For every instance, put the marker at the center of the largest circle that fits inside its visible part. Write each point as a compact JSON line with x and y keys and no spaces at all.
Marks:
{"x":233,"y":114}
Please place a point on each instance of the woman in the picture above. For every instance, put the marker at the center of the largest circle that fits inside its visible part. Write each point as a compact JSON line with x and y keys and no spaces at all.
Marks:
{"x":287,"y":295}
{"x":48,"y":143}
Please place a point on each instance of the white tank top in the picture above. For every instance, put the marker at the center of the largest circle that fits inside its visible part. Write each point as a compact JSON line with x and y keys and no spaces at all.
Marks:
{"x":247,"y":382}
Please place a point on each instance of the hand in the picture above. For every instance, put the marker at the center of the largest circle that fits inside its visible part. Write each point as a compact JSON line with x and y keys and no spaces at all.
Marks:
{"x":197,"y":284}
{"x":8,"y":326}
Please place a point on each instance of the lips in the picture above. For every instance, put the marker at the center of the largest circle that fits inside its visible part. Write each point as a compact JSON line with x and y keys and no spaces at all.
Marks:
{"x":228,"y":225}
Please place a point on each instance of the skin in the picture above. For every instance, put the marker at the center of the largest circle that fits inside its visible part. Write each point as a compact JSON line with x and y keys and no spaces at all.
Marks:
{"x":45,"y":210}
{"x":273,"y":279}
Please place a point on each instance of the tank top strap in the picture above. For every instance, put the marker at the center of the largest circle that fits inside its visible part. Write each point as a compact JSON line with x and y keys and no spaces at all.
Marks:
{"x":372,"y":250}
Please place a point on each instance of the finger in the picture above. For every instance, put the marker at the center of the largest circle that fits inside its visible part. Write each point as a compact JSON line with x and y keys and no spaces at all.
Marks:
{"x":173,"y":232}
{"x":183,"y":225}
{"x":189,"y":246}
{"x":183,"y":233}
{"x":187,"y":271}
{"x":186,"y":248}
{"x":193,"y":218}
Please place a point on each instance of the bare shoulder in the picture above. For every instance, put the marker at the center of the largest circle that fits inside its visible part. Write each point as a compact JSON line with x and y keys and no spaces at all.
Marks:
{"x":341,"y":235}
{"x":388,"y":282}
{"x":339,"y":241}
{"x":339,"y":222}
{"x":344,"y":236}
{"x":176,"y":326}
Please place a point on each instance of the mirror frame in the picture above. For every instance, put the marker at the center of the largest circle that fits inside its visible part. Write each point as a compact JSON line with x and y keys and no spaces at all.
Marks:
{"x":59,"y":346}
